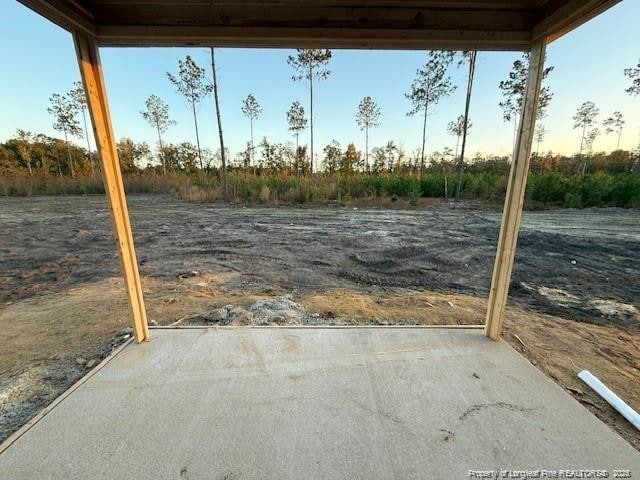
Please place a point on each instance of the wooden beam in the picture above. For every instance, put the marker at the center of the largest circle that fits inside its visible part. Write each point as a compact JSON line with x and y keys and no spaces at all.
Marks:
{"x":559,"y":17}
{"x":446,"y":4}
{"x":267,"y":37}
{"x":312,"y":15}
{"x":514,"y":200}
{"x":92,"y":78}
{"x":67,"y":14}
{"x":316,"y":25}
{"x":392,"y":24}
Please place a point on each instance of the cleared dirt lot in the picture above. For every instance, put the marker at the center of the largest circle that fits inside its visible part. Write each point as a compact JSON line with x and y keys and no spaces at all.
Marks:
{"x":574,"y":294}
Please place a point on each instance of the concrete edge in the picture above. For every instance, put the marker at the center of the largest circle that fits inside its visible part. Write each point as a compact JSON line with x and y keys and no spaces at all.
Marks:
{"x":568,"y":394}
{"x":46,"y":410}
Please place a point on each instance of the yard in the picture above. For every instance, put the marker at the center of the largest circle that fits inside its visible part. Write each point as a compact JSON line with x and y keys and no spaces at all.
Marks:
{"x":573,"y":303}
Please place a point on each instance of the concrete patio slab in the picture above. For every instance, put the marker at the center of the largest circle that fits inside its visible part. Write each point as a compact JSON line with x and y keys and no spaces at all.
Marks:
{"x":315,"y":403}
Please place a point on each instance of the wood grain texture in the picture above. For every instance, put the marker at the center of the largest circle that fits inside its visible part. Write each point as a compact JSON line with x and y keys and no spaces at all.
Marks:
{"x":512,"y":213}
{"x":559,"y":17}
{"x":381,"y":24}
{"x":323,"y":24}
{"x":313,"y":38}
{"x":93,"y":81}
{"x":64,"y":13}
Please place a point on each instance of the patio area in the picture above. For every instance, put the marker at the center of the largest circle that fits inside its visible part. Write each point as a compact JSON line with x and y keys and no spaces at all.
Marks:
{"x":305,"y":402}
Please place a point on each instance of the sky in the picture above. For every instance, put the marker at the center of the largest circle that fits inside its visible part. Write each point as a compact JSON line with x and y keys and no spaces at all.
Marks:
{"x":39,"y":59}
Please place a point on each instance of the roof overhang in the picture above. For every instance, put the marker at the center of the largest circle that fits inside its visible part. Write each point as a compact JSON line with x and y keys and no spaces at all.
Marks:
{"x":380,"y":24}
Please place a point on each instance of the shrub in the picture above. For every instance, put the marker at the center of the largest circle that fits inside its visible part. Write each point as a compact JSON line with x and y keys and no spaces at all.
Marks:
{"x":572,"y":200}
{"x":265,"y":194}
{"x":556,"y":188}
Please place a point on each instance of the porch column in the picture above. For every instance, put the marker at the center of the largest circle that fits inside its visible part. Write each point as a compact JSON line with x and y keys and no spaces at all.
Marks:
{"x":512,"y":213}
{"x":93,"y":81}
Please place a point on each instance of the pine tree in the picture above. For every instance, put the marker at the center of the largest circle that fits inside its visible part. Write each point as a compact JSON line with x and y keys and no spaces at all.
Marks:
{"x":157,"y":115}
{"x":585,"y":117}
{"x":79,"y":100}
{"x":614,"y":124}
{"x":467,"y":57}
{"x":251,"y":109}
{"x":367,"y":116}
{"x":309,"y":64}
{"x":430,"y":85}
{"x":297,"y":123}
{"x":456,"y":129}
{"x":634,"y":75}
{"x":540,"y":133}
{"x":64,"y":120}
{"x":222,"y":151}
{"x":513,"y":89}
{"x":191,"y":83}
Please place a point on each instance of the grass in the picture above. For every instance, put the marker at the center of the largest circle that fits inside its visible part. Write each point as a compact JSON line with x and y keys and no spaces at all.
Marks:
{"x":543,"y":189}
{"x":26,"y":186}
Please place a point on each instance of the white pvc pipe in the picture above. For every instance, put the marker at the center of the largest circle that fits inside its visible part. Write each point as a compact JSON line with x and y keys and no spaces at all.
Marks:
{"x":611,"y":398}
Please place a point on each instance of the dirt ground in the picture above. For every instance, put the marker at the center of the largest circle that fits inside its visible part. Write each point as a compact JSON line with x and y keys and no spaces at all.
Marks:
{"x":574,"y":295}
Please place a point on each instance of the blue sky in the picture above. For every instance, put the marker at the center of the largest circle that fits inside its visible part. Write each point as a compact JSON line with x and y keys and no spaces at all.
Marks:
{"x":39,"y":59}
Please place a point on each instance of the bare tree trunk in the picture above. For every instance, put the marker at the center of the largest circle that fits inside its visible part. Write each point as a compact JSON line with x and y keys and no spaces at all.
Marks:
{"x":584,"y":160}
{"x":225,"y":186}
{"x":424,"y":139}
{"x":619,"y":136}
{"x":297,"y":154}
{"x":195,"y":121}
{"x":162,"y":152}
{"x":86,"y":136}
{"x":311,"y":112}
{"x":66,"y":141}
{"x":366,"y":148}
{"x":251,"y":160}
{"x":465,"y":126}
{"x":42,"y":164}
{"x":472,"y":71}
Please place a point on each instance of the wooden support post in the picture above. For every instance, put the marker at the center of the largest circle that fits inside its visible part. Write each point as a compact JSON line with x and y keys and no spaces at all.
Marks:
{"x":514,"y":200}
{"x":91,"y":72}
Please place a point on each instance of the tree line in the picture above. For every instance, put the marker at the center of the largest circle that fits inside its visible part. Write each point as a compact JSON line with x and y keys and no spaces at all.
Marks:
{"x":40,"y":155}
{"x":432,"y":83}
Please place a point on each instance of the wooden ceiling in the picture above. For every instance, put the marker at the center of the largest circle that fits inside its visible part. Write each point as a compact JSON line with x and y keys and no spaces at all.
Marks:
{"x":390,"y":24}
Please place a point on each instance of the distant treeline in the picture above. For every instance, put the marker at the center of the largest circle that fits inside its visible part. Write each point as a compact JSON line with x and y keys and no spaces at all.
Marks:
{"x":46,"y":156}
{"x":40,"y":165}
{"x":543,"y":189}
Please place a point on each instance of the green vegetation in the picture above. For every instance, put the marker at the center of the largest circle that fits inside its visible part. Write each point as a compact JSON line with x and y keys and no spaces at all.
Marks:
{"x":543,"y":189}
{"x":39,"y":165}
{"x":551,"y":188}
{"x":273,"y":173}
